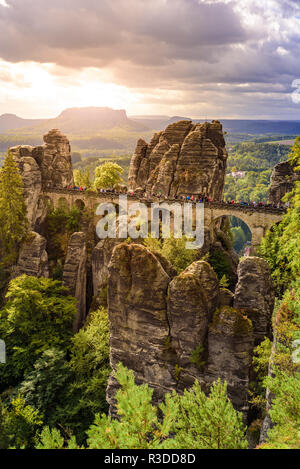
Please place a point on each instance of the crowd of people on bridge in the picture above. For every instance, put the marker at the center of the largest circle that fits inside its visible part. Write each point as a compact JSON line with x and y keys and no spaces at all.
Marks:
{"x":199,"y":198}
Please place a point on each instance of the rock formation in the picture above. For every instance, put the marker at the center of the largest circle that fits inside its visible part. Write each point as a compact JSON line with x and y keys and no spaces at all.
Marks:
{"x":44,"y":167}
{"x":32,"y":179}
{"x":74,"y":274}
{"x":33,"y":258}
{"x":254,"y":295}
{"x":283,"y":179}
{"x":230,"y":346}
{"x":192,"y":300}
{"x":139,"y":327}
{"x":171,"y":330}
{"x":100,"y":260}
{"x":183,"y":159}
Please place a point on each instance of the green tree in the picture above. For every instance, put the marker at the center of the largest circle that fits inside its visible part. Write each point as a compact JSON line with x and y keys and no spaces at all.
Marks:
{"x":13,"y":220}
{"x":208,"y":422}
{"x":285,"y":411}
{"x":82,"y":177}
{"x":107,"y":175}
{"x":281,"y":245}
{"x":38,"y":315}
{"x":52,"y":439}
{"x":180,"y":422}
{"x":85,"y":395}
{"x":173,"y":249}
{"x":294,"y":156}
{"x":43,"y":387}
{"x":139,"y":426}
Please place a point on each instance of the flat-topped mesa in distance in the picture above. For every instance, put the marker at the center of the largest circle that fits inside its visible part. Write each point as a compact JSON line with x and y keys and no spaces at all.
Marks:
{"x":283,"y":179}
{"x":184,"y":159}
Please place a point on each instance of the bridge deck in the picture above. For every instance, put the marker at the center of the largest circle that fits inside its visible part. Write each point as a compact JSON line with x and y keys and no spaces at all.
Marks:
{"x":112,"y":196}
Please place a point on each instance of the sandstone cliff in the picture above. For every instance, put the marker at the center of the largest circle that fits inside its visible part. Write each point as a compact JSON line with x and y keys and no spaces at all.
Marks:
{"x":44,"y":167}
{"x":33,"y":258}
{"x":283,"y":179}
{"x":171,"y":331}
{"x":183,"y":159}
{"x":75,"y":274}
{"x":254,"y":295}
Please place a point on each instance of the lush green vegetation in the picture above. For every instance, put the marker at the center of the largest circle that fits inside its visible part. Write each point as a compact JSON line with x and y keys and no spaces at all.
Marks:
{"x":281,"y":248}
{"x":257,"y":161}
{"x":59,"y":225}
{"x":190,"y":421}
{"x":13,"y":217}
{"x":108,"y":175}
{"x":52,"y":376}
{"x":173,"y":249}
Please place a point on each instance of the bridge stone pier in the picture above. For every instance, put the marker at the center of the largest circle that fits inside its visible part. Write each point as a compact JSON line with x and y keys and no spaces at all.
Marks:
{"x":258,"y":219}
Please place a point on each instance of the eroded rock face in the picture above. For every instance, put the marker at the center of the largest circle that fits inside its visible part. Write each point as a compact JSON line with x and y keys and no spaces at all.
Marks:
{"x":100,"y":260}
{"x":74,"y":274}
{"x":54,"y":159}
{"x":192,"y":300}
{"x":139,"y":327}
{"x":32,"y":179}
{"x":230,"y":345}
{"x":283,"y":179}
{"x":43,"y":167}
{"x":254,"y":295}
{"x":184,"y":159}
{"x":33,"y":258}
{"x":171,"y":330}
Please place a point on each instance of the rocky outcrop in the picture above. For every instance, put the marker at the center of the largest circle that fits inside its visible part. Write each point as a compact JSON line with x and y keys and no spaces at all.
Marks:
{"x":230,"y":345}
{"x":139,"y":327}
{"x":171,"y":330}
{"x":33,"y":258}
{"x":54,"y":160}
{"x":184,"y":159}
{"x":283,"y":179}
{"x":32,"y":179}
{"x":100,"y":260}
{"x":43,"y":167}
{"x":254,"y":295}
{"x":192,"y":300}
{"x":74,"y":274}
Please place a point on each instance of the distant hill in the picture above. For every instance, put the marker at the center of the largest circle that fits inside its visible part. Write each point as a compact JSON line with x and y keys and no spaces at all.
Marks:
{"x":11,"y":121}
{"x":242,"y":126}
{"x":94,"y":120}
{"x":261,"y":126}
{"x":157,"y":122}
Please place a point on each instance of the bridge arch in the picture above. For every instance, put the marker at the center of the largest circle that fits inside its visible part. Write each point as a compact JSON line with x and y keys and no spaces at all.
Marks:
{"x":62,"y":203}
{"x":259,"y":221}
{"x":240,"y":232}
{"x":79,"y":203}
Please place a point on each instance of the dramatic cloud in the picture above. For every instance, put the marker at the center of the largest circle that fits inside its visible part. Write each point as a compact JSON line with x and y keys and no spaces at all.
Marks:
{"x":192,"y":56}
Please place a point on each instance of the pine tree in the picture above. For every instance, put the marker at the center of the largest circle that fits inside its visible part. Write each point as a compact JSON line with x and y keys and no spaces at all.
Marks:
{"x":139,"y":426}
{"x":208,"y":422}
{"x":13,"y":221}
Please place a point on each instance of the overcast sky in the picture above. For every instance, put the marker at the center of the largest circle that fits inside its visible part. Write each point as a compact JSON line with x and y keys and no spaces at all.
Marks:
{"x":194,"y":58}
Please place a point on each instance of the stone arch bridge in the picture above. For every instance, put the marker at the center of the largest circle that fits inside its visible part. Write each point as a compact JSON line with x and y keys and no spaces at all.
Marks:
{"x":258,"y":219}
